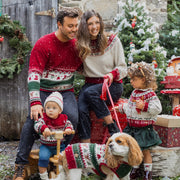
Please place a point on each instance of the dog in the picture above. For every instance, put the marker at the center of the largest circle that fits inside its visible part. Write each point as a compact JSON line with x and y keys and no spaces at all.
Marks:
{"x":112,"y":160}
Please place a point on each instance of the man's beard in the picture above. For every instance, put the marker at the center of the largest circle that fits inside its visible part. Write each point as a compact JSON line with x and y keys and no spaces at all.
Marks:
{"x":65,"y":35}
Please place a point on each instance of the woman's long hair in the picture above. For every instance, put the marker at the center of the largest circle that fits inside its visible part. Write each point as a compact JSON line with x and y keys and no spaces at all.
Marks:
{"x":83,"y":36}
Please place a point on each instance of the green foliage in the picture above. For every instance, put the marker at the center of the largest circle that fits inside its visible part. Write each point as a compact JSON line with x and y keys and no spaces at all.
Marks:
{"x":170,"y":32}
{"x":91,"y":177}
{"x":79,"y":81}
{"x":16,"y":41}
{"x":143,"y":35}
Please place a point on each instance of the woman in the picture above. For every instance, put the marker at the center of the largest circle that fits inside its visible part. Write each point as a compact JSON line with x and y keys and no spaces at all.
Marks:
{"x":103,"y":57}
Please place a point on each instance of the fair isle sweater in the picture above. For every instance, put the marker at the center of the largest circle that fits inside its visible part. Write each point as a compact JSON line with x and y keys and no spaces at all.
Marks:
{"x":51,"y":67}
{"x":92,"y":156}
{"x":97,"y":65}
{"x":146,"y":116}
{"x":60,"y":123}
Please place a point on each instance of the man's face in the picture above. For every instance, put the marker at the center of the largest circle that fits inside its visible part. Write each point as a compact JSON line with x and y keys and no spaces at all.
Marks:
{"x":69,"y":28}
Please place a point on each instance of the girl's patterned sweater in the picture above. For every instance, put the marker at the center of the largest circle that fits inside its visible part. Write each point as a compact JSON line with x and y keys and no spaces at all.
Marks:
{"x":146,"y":116}
{"x":60,"y":123}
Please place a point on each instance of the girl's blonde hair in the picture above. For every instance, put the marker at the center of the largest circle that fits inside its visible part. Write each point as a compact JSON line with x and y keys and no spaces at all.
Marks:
{"x":143,"y":70}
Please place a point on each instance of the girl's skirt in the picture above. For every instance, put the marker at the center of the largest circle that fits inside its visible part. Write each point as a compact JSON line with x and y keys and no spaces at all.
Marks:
{"x":145,"y":136}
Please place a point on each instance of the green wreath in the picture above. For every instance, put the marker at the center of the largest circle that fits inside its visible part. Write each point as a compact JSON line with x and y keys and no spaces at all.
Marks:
{"x":17,"y":41}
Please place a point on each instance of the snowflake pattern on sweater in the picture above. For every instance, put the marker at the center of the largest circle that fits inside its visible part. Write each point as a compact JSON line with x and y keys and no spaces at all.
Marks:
{"x":146,"y":116}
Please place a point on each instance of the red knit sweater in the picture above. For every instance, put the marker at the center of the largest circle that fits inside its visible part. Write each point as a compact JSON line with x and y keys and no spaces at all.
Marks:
{"x":60,"y":123}
{"x":51,"y":67}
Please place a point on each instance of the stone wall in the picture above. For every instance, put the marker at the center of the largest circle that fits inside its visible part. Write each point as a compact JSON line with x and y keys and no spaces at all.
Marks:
{"x":109,"y":8}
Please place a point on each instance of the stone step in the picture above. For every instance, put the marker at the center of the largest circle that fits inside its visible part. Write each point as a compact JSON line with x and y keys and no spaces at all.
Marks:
{"x":166,"y":161}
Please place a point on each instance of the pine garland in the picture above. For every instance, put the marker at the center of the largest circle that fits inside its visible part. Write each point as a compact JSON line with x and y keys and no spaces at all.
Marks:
{"x":18,"y":41}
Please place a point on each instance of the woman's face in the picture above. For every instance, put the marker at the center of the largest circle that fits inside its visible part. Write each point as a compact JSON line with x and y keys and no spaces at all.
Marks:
{"x":93,"y":26}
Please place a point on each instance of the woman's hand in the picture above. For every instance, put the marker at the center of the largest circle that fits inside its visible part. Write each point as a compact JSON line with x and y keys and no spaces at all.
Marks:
{"x":109,"y":78}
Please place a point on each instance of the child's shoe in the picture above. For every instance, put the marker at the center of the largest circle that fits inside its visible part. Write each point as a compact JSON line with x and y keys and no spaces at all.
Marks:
{"x":135,"y":173}
{"x":44,"y":176}
{"x":147,"y":175}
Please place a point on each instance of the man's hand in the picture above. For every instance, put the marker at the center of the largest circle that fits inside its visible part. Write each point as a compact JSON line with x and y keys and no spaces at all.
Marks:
{"x":46,"y":132}
{"x":36,"y":110}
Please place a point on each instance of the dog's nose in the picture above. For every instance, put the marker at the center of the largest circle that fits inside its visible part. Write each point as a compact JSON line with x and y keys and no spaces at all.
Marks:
{"x":110,"y":145}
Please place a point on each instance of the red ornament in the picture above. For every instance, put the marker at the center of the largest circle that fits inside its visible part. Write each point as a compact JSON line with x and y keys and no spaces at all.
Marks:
{"x":1,"y":39}
{"x":133,"y":24}
{"x":176,"y":110}
{"x":154,"y":62}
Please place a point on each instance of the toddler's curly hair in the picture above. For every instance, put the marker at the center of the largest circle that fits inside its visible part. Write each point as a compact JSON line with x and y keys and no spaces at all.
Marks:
{"x":143,"y":70}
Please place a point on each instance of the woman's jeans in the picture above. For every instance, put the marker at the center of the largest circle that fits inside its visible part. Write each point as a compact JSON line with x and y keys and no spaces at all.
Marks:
{"x":28,"y":134}
{"x":89,"y":99}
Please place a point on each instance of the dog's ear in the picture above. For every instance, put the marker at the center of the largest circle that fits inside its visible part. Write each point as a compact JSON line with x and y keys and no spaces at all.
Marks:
{"x":112,"y":161}
{"x":107,"y":149}
{"x":135,"y":155}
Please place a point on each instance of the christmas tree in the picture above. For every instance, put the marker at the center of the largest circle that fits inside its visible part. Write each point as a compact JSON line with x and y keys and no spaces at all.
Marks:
{"x":139,"y":37}
{"x":170,"y":32}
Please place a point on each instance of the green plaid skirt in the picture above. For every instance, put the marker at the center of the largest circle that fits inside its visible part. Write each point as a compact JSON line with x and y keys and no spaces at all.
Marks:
{"x":145,"y":136}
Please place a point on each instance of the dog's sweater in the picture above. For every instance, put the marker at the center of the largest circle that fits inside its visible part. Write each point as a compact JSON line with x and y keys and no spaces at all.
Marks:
{"x":87,"y":155}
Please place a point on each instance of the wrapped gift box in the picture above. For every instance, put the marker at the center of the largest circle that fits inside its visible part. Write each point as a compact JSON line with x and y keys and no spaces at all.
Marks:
{"x":99,"y":131}
{"x":168,"y":128}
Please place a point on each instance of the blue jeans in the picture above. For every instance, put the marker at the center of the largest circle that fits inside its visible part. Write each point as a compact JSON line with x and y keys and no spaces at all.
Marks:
{"x":89,"y":99}
{"x":28,"y":134}
{"x":46,"y":152}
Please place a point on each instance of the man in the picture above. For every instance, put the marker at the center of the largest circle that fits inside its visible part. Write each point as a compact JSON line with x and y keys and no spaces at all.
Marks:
{"x":53,"y":61}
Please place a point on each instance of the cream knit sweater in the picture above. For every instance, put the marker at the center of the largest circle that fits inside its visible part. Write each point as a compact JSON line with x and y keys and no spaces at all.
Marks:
{"x":97,"y":65}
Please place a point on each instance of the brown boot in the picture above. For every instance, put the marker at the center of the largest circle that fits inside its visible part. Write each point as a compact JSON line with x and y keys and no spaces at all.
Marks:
{"x":147,"y":175}
{"x":19,"y":173}
{"x":135,"y":174}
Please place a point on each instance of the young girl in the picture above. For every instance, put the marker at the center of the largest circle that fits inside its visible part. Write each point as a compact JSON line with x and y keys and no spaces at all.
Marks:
{"x":52,"y":120}
{"x":142,"y":110}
